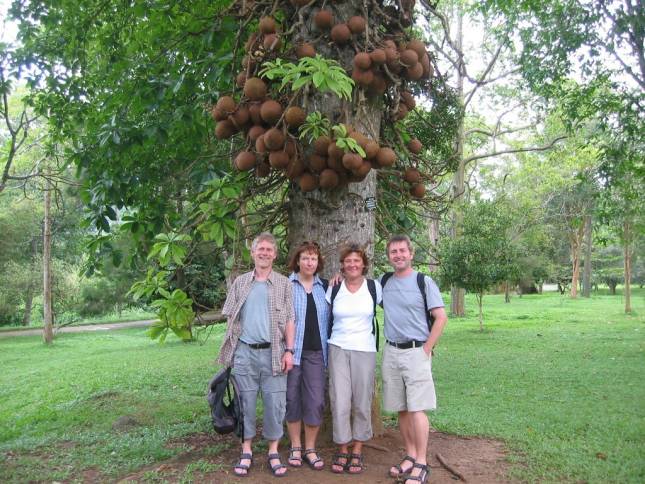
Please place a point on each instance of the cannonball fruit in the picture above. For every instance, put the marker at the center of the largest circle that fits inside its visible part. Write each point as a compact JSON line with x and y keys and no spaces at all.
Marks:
{"x":279,"y":159}
{"x":255,"y":88}
{"x":305,"y":50}
{"x":415,"y":146}
{"x":418,"y":190}
{"x":308,"y":182}
{"x":267,"y":25}
{"x":328,"y":179}
{"x":245,"y":160}
{"x":357,"y":24}
{"x":362,"y":60}
{"x":270,"y":111}
{"x":412,"y":175}
{"x":321,"y":144}
{"x":340,"y":34}
{"x":273,"y":139}
{"x":324,"y":19}
{"x":295,"y":116}
{"x":385,"y":157}
{"x":378,"y":56}
{"x":409,"y":57}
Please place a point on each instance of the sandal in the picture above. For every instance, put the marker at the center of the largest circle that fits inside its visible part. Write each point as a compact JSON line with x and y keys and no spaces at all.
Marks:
{"x":312,"y":462}
{"x":292,"y":457}
{"x":358,"y":465}
{"x":400,"y":470}
{"x":275,"y":468}
{"x":243,"y":467}
{"x":336,"y":461}
{"x":422,"y":478}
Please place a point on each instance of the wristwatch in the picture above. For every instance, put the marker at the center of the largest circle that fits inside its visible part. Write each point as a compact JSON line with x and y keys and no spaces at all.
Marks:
{"x":289,"y":350}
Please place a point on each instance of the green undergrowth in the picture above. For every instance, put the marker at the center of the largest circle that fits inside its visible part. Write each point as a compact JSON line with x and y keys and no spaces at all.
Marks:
{"x":558,"y":380}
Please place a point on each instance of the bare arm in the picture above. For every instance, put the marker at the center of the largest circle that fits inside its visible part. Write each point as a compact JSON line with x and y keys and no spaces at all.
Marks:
{"x":440,"y":320}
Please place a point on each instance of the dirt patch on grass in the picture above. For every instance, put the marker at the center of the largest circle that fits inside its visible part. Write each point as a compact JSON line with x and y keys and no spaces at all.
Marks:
{"x":209,"y":458}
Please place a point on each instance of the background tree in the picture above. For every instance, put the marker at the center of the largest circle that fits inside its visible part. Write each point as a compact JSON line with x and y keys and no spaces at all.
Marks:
{"x":483,"y":254}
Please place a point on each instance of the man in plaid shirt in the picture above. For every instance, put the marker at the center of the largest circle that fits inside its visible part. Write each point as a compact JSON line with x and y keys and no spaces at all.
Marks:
{"x":259,"y":345}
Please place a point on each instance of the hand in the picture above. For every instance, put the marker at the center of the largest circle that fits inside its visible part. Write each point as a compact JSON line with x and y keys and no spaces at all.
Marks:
{"x":287,"y":361}
{"x":336,"y":279}
{"x":428,"y":349}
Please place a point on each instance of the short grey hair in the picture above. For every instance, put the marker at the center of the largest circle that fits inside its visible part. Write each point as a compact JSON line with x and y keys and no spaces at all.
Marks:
{"x":264,"y":237}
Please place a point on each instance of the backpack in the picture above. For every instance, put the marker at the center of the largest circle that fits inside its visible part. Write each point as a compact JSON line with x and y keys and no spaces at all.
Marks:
{"x":371,"y":286}
{"x":422,"y":287}
{"x":226,"y":406}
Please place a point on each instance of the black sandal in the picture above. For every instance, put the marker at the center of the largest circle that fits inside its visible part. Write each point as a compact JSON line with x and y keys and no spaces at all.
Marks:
{"x":423,"y":475}
{"x":312,"y":462}
{"x":400,"y":469}
{"x":274,"y":469}
{"x":243,"y":467}
{"x":293,"y":457}
{"x":359,"y":465}
{"x":336,"y":462}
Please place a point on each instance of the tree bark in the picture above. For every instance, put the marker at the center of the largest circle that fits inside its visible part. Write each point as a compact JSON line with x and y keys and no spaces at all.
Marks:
{"x":507,"y":292}
{"x":336,"y":217}
{"x":457,"y":294}
{"x":576,"y":245}
{"x":48,"y":320}
{"x":433,"y":235}
{"x":586,"y":275}
{"x":627,"y":263}
{"x":480,"y":298}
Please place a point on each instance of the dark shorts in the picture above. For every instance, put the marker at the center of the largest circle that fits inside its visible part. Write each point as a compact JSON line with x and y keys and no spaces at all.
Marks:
{"x":306,"y":389}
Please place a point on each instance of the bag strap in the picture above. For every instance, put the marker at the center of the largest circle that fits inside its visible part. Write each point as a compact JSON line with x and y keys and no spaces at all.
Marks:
{"x":421,"y":282}
{"x":371,"y":286}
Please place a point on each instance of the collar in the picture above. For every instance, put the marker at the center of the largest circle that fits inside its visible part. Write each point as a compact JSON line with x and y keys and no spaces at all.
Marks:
{"x":294,"y":276}
{"x":269,"y":278}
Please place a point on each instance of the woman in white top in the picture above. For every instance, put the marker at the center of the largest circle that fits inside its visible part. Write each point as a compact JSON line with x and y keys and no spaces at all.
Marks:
{"x":352,"y":358}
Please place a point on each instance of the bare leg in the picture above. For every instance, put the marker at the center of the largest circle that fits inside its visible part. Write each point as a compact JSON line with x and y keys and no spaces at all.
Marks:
{"x":273,"y":449}
{"x":343,"y":449}
{"x":246,"y":449}
{"x":294,"y":429}
{"x":420,"y":429}
{"x":355,"y":466}
{"x":311,"y":433}
{"x":406,"y":429}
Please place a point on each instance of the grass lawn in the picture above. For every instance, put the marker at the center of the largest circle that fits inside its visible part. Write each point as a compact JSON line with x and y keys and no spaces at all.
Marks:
{"x":560,"y":381}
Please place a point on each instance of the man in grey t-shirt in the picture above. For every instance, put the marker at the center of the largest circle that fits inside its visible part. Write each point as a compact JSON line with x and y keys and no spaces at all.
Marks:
{"x":408,"y":387}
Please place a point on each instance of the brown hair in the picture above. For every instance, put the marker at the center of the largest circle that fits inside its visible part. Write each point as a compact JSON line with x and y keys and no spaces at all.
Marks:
{"x":399,"y":238}
{"x":354,"y":248}
{"x":306,"y":246}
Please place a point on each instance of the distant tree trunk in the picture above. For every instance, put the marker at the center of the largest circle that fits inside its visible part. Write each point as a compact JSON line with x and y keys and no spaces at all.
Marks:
{"x":612,"y":287}
{"x":507,"y":292}
{"x":540,"y":287}
{"x":29,"y":301}
{"x":480,"y":298}
{"x":627,"y":262}
{"x":48,"y":320}
{"x":433,"y":235}
{"x":576,"y":246}
{"x":458,"y":295}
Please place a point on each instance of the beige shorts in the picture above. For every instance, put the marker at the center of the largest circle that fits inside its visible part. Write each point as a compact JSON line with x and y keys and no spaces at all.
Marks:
{"x":407,"y":380}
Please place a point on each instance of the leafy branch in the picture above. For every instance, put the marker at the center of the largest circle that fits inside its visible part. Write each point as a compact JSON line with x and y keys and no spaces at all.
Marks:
{"x":326,"y":75}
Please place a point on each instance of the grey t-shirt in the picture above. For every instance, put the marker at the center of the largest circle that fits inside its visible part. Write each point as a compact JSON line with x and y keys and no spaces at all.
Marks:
{"x":405,"y":318}
{"x":254,"y":315}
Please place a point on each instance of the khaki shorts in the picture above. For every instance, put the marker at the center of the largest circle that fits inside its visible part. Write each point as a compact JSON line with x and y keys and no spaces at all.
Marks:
{"x":407,"y":380}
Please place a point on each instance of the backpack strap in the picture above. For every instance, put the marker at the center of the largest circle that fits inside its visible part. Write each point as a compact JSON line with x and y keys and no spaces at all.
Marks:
{"x":384,"y":279}
{"x":421,"y":282}
{"x":334,"y":293}
{"x":371,"y":286}
{"x":325,"y":283}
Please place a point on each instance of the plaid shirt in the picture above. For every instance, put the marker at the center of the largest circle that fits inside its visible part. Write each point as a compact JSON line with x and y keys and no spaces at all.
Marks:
{"x":300,"y":305}
{"x":280,"y":312}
